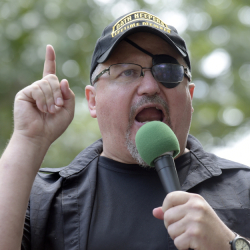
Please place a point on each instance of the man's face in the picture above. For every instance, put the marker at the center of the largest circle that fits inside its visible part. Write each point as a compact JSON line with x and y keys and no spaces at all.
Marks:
{"x":122,"y":109}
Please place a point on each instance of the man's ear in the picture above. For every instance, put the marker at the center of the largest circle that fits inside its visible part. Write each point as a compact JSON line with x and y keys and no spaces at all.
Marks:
{"x":90,"y":94}
{"x":191,"y":91}
{"x":191,"y":87}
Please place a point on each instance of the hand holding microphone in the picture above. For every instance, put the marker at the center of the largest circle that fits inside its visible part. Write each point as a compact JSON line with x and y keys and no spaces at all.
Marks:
{"x":190,"y":220}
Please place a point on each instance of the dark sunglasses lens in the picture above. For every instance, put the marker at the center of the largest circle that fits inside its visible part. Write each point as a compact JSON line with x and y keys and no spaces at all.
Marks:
{"x":170,"y":75}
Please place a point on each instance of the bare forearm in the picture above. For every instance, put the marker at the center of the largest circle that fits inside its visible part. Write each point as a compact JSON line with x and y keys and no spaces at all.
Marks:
{"x":18,"y":167}
{"x":42,"y":112}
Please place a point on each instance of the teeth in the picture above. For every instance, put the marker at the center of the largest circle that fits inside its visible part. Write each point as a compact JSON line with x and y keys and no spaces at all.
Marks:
{"x":145,"y":122}
{"x":157,"y":108}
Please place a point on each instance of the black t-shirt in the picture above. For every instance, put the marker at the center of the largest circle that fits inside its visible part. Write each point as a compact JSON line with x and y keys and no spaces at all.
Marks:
{"x":125,"y":196}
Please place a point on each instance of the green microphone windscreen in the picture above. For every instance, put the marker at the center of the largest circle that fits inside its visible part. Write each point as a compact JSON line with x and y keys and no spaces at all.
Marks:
{"x":154,"y":139}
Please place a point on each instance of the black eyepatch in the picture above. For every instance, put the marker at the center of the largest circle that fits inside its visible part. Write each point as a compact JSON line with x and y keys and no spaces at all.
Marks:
{"x":166,"y":69}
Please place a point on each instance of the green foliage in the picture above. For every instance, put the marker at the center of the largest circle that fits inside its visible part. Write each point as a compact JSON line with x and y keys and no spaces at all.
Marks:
{"x":72,"y":27}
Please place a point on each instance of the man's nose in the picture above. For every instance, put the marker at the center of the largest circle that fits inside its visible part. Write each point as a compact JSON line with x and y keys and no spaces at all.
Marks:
{"x":148,"y":85}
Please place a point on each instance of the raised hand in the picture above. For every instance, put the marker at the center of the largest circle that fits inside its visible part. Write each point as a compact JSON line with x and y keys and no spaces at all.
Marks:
{"x":43,"y":110}
{"x":192,"y":223}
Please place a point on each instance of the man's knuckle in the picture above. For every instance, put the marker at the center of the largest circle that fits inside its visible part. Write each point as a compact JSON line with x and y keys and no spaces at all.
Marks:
{"x":178,"y":244}
{"x":35,"y":87}
{"x":51,"y":78}
{"x":171,"y":232}
{"x":166,"y":218}
{"x":199,"y":206}
{"x":170,"y":196}
{"x":193,"y":232}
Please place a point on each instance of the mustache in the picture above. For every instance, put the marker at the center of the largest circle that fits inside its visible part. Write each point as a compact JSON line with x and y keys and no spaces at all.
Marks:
{"x":155,"y":99}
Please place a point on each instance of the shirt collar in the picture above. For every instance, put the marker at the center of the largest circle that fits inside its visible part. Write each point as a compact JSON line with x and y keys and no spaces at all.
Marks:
{"x":205,"y":165}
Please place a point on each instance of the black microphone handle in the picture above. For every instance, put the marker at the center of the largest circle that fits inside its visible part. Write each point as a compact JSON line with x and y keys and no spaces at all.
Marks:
{"x":167,"y":172}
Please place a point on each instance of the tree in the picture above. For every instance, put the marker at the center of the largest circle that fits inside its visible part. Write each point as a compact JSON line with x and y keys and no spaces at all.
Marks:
{"x":217,"y":35}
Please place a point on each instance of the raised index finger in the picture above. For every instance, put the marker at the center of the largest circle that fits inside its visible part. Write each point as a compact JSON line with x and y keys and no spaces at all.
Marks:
{"x":50,"y":61}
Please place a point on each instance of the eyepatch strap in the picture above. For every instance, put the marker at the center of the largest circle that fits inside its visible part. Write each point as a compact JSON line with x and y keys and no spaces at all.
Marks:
{"x":138,"y":47}
{"x":156,"y":59}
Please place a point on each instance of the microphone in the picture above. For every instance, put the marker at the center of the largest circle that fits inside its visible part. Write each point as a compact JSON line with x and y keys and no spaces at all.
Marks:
{"x":157,"y":146}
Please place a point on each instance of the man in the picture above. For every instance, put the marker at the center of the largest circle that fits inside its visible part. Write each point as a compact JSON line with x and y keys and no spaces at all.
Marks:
{"x":140,"y":72}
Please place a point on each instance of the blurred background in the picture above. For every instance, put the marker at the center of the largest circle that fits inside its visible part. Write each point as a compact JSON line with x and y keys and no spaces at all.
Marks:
{"x":217,"y":35}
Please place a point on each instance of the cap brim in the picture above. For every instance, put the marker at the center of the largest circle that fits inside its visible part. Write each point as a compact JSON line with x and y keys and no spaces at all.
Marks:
{"x":164,"y":36}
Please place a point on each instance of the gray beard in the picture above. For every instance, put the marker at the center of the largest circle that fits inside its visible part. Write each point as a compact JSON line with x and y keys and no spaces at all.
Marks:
{"x":130,"y":144}
{"x":134,"y":152}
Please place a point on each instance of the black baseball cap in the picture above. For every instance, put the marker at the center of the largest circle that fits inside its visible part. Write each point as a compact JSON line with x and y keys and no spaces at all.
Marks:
{"x":133,"y":22}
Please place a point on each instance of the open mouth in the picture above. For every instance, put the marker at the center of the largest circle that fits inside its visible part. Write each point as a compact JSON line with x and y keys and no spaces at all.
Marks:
{"x":149,"y":114}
